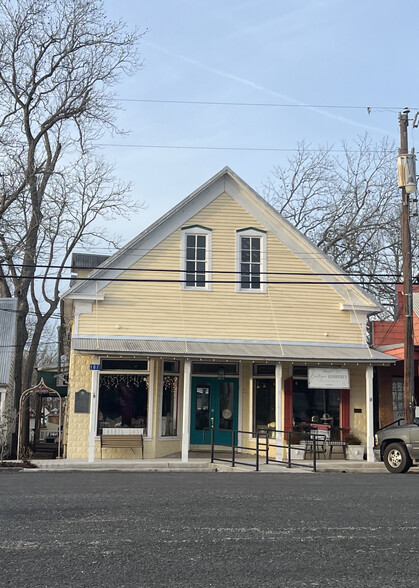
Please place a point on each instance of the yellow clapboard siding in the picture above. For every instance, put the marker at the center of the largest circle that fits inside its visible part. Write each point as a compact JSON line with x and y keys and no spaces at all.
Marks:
{"x":293,"y":312}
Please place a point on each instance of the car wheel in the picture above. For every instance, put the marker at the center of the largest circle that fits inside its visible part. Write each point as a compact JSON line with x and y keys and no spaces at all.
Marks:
{"x":396,"y":458}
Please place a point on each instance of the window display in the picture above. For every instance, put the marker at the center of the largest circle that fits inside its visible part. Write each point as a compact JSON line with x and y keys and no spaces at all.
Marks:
{"x":123,"y":400}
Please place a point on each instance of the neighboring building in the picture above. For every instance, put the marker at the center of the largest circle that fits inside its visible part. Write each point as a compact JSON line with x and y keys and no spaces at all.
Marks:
{"x":83,"y":263}
{"x":55,"y":377}
{"x":219,"y":313}
{"x":8,"y":315}
{"x":388,"y":337}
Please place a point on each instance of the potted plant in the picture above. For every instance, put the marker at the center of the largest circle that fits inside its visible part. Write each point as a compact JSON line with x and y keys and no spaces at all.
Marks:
{"x":355,"y":448}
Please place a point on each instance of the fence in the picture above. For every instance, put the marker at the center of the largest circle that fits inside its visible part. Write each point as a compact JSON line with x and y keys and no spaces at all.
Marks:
{"x":264,"y":440}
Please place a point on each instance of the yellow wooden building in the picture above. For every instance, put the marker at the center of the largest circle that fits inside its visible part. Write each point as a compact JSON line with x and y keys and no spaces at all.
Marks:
{"x":220,"y":313}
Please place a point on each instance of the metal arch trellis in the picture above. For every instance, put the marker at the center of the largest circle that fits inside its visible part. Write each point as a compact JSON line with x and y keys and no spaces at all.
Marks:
{"x":41,"y":389}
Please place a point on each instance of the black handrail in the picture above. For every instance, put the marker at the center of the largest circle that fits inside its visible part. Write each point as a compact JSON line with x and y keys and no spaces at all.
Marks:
{"x":233,"y":445}
{"x":391,"y":424}
{"x":263,"y":444}
{"x":313,"y":440}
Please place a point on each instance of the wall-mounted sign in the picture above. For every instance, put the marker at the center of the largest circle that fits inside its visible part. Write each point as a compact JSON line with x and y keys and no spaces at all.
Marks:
{"x":94,"y":366}
{"x":329,"y":378}
{"x":82,"y":401}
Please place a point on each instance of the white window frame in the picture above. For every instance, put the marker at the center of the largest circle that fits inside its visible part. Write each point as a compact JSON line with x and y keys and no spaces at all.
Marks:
{"x":149,"y":372}
{"x":196,"y":230}
{"x":177,"y":412}
{"x":251,"y":232}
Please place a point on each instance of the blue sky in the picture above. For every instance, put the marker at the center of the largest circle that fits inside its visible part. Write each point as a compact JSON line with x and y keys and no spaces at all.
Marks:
{"x":301,"y":52}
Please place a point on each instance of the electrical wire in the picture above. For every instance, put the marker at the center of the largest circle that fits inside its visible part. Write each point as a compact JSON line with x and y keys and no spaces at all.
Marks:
{"x":171,"y":270}
{"x":369,"y":109}
{"x":230,"y":148}
{"x":177,"y":281}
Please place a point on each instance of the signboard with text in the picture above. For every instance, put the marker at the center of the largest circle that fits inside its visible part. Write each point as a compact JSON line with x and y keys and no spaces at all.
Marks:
{"x":328,"y":378}
{"x":82,"y":401}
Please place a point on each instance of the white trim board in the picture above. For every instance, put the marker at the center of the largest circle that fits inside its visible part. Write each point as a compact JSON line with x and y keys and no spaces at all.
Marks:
{"x":226,"y":181}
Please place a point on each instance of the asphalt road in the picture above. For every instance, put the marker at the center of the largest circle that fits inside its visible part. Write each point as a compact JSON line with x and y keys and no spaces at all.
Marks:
{"x":125,"y":529}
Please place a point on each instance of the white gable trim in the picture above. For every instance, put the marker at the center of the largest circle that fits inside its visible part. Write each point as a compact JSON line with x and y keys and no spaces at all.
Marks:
{"x":80,"y":308}
{"x":227,"y":181}
{"x":298,"y":244}
{"x":89,"y":297}
{"x":150,"y":238}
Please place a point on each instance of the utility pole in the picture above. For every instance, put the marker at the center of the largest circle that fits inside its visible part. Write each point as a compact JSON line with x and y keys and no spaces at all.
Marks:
{"x":407,"y":183}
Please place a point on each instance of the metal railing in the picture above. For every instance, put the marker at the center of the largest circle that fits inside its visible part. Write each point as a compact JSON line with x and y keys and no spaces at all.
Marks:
{"x":233,"y":445}
{"x":266,"y":439}
{"x":391,"y":424}
{"x":312,"y":444}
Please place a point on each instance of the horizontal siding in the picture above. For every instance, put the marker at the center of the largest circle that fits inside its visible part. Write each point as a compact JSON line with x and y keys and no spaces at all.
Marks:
{"x":304,"y":312}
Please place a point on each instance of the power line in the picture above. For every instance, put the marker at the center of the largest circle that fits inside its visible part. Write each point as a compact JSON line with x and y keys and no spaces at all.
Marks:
{"x":369,"y":109}
{"x":230,"y":148}
{"x":177,"y":281}
{"x":31,"y":312}
{"x":171,"y":270}
{"x":43,"y":343}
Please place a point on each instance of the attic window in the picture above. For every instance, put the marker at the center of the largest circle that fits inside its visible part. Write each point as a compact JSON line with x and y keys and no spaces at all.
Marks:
{"x":196,"y":257}
{"x":251,"y":260}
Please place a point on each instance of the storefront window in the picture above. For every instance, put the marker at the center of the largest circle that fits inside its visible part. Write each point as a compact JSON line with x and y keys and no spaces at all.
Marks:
{"x":123,"y":401}
{"x":397,"y":389}
{"x":169,"y":406}
{"x":315,"y":405}
{"x":263,"y":403}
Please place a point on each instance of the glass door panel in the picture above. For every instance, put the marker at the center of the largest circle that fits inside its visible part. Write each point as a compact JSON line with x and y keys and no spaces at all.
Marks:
{"x":202,"y":408}
{"x":226,"y":407}
{"x":214,"y":402}
{"x":202,"y":397}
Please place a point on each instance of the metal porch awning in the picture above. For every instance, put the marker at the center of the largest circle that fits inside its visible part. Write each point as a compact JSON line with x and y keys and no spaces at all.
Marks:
{"x":234,"y":350}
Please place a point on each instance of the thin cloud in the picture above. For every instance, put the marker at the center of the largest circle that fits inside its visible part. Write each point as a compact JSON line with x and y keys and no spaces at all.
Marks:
{"x":249,"y":83}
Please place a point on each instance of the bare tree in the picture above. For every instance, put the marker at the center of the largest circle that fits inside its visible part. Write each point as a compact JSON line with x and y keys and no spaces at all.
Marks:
{"x":59,"y":63}
{"x":349,"y":205}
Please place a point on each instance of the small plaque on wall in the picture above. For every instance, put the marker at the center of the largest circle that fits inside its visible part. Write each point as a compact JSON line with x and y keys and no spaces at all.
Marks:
{"x":82,"y":401}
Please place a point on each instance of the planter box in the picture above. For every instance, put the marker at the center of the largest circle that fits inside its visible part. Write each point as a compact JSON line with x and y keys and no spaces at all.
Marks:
{"x":355,"y":452}
{"x":297,"y":452}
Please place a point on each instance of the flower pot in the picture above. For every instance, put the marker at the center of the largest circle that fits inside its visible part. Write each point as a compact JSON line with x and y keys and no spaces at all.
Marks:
{"x":355,"y":452}
{"x":297,"y":452}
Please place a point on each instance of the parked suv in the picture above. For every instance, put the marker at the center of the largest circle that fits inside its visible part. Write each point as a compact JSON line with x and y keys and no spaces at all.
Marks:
{"x":398,"y":446}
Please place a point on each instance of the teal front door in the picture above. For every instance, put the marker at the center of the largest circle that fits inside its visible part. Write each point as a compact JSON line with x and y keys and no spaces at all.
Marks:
{"x":214,"y":403}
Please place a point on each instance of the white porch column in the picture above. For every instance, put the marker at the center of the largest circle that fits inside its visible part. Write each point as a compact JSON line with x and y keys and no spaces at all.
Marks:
{"x":278,"y":408}
{"x":186,"y":418}
{"x":369,"y":402}
{"x":94,"y":403}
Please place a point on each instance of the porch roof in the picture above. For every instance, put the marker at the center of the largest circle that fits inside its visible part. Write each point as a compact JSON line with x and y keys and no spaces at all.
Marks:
{"x":250,"y":350}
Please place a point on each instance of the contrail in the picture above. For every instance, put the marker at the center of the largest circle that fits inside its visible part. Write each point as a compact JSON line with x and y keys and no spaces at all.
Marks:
{"x":255,"y":86}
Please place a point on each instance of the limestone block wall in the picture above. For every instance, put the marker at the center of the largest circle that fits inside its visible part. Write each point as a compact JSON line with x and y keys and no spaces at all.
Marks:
{"x":78,"y":424}
{"x":358,"y":420}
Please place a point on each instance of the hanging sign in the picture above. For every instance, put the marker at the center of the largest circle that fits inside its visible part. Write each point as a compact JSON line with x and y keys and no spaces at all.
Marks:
{"x":329,"y":378}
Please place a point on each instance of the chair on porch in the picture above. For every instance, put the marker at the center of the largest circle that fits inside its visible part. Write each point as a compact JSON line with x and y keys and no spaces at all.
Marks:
{"x":336,"y":442}
{"x":316,"y":444}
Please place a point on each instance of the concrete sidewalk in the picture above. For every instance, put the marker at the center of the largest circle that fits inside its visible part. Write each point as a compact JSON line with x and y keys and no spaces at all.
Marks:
{"x":201,"y":463}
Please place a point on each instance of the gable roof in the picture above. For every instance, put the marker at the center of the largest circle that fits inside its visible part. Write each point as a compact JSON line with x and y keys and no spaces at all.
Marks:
{"x":226,"y":181}
{"x":8,"y":315}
